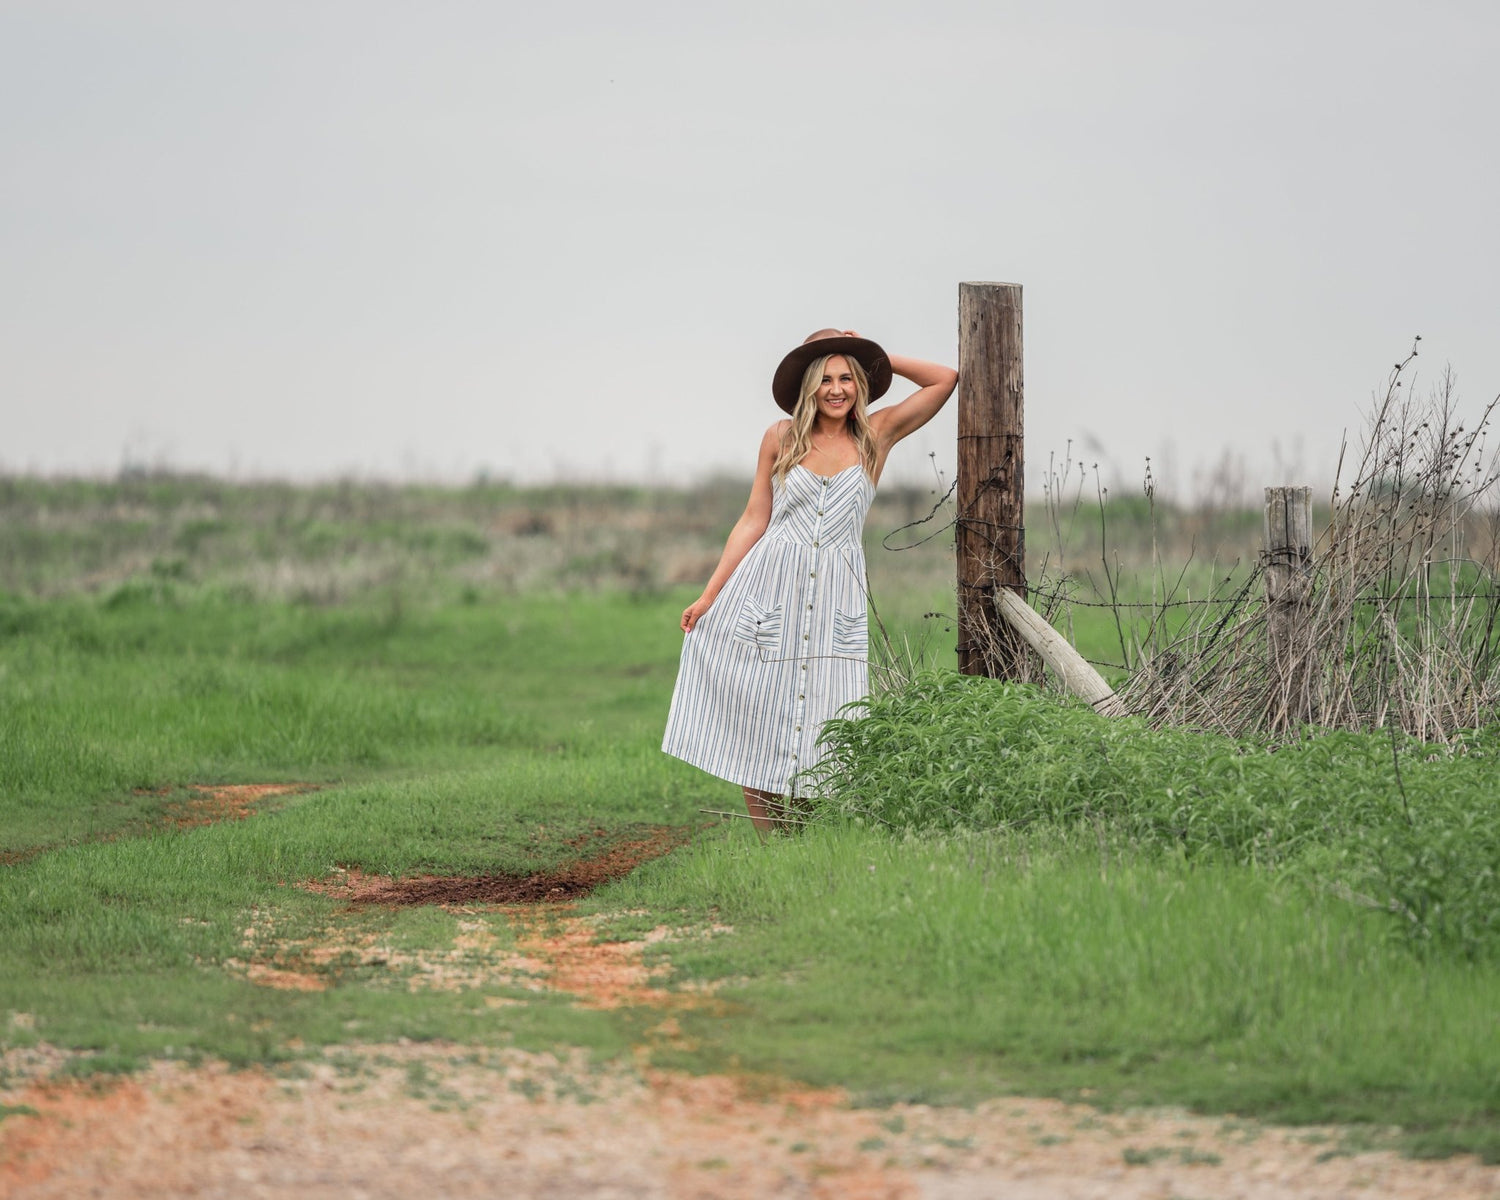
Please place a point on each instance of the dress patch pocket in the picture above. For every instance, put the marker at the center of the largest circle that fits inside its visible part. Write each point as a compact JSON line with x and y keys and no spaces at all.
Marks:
{"x":851,"y":634}
{"x":760,"y":626}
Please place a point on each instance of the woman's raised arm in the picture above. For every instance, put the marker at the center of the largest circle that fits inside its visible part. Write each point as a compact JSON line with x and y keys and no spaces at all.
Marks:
{"x":935,"y":384}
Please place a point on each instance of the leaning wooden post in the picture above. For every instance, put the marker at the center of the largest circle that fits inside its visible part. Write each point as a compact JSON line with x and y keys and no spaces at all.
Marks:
{"x":991,"y":536}
{"x":1287,"y":555}
{"x":1071,"y":668}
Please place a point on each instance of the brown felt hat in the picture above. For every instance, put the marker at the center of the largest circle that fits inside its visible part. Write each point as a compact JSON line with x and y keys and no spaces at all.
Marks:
{"x":787,"y":382}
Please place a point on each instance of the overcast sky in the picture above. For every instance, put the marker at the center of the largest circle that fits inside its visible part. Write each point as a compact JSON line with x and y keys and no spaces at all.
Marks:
{"x":573,"y":240}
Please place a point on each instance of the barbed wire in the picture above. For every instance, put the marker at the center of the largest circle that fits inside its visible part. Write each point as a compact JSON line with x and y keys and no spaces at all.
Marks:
{"x":1202,"y":602}
{"x":949,"y":524}
{"x":1240,"y":599}
{"x":1055,"y":596}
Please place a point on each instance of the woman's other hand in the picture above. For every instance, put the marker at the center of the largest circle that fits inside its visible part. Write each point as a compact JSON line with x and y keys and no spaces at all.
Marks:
{"x":692,"y":612}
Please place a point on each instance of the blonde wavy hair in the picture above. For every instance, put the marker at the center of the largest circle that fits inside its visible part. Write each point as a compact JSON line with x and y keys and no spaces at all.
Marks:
{"x":796,"y":443}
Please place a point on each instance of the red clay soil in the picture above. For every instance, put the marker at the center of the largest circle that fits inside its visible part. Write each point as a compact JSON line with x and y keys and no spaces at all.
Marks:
{"x":569,"y":958}
{"x":566,"y":882}
{"x":212,"y":803}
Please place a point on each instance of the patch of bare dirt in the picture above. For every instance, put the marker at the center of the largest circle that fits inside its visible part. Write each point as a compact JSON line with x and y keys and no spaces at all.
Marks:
{"x":393,"y":1121}
{"x":325,"y":957}
{"x":599,"y":974}
{"x":566,"y":882}
{"x":211,"y":803}
{"x":609,"y":974}
{"x":551,"y":951}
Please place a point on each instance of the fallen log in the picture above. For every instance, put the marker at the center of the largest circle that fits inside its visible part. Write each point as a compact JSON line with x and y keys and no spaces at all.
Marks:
{"x":1070,"y":667}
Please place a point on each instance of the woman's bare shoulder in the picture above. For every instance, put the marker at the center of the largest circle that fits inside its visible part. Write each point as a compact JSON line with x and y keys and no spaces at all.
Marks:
{"x":775,"y":433}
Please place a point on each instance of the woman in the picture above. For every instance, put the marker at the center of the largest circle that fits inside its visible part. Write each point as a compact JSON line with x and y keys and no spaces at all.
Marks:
{"x":778,"y":641}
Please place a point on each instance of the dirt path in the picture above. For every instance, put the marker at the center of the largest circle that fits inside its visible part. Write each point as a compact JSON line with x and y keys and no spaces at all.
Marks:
{"x":445,"y":1120}
{"x":378,"y":1121}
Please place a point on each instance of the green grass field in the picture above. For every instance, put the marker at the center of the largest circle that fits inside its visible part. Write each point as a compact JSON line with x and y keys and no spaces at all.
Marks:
{"x":461,"y":726}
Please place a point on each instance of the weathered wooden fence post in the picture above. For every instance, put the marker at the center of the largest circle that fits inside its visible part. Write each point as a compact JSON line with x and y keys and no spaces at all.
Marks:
{"x":991,"y":535}
{"x":1288,"y":551}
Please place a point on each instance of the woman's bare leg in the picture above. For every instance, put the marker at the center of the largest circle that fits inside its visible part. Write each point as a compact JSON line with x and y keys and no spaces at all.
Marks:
{"x":765,"y":810}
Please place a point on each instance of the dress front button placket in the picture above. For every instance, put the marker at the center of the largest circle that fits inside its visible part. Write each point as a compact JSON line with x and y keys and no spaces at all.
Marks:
{"x":799,"y":710}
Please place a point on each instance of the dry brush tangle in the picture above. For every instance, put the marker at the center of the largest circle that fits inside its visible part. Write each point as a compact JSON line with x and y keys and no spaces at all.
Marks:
{"x":1390,"y":618}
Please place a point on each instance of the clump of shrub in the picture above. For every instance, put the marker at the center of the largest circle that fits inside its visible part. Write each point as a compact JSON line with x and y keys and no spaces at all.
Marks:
{"x":1383,"y":821}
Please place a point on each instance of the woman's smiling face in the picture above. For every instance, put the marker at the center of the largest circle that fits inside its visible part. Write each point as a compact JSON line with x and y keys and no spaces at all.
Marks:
{"x":837,"y":390}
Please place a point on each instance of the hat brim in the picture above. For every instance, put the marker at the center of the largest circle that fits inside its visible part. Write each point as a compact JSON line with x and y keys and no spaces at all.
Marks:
{"x":786,"y":384}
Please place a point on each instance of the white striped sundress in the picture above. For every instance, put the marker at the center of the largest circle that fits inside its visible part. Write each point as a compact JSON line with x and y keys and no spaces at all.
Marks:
{"x":785,"y":645}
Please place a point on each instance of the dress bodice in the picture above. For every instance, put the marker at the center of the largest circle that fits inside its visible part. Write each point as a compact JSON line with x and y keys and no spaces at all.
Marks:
{"x":821,"y":510}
